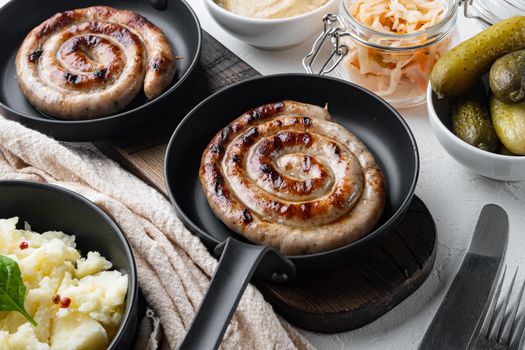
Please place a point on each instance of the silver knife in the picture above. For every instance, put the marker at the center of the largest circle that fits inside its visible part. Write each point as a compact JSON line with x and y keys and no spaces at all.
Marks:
{"x":462,"y":309}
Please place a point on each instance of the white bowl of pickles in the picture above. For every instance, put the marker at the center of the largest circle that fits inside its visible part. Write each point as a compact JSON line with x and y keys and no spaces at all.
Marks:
{"x":476,"y":101}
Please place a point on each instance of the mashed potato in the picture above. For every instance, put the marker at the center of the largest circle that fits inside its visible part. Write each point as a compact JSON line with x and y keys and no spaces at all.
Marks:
{"x":77,"y":303}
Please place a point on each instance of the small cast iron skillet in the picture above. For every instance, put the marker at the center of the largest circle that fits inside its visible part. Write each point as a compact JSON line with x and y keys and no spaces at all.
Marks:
{"x":48,"y":207}
{"x":18,"y":17}
{"x":374,"y":121}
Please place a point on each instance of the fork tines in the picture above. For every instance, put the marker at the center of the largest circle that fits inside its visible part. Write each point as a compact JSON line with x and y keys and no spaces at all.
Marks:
{"x":501,"y":327}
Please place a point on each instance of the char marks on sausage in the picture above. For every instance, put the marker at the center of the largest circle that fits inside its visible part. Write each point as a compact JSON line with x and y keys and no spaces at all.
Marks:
{"x":92,"y":62}
{"x":287,"y":175}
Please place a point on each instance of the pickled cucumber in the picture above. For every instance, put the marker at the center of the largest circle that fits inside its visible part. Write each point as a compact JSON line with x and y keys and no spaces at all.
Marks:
{"x":460,"y":68}
{"x":503,"y":150}
{"x":509,"y":122}
{"x":471,"y":120}
{"x":507,"y":77}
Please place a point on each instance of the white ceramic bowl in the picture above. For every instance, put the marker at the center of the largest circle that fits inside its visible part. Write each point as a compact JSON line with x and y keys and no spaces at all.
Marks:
{"x":492,"y":165}
{"x":272,"y":34}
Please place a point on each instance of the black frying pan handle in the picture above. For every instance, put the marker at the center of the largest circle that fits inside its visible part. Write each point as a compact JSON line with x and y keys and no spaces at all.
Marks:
{"x":159,"y":4}
{"x":237,"y":265}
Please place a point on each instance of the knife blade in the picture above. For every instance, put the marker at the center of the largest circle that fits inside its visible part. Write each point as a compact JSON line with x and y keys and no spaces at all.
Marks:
{"x":462,"y":309}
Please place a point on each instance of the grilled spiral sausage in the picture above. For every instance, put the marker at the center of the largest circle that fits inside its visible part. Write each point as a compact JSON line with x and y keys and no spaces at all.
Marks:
{"x":288,"y":176}
{"x":92,"y":62}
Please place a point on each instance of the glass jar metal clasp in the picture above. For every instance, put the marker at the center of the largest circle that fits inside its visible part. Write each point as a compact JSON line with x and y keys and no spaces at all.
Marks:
{"x":333,"y":30}
{"x":467,"y":11}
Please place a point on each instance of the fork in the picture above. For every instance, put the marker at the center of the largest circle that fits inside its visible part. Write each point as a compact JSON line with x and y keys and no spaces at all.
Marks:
{"x":502,"y":329}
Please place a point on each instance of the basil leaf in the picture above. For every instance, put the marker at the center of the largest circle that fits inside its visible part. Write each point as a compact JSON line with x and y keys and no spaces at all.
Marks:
{"x":12,"y":288}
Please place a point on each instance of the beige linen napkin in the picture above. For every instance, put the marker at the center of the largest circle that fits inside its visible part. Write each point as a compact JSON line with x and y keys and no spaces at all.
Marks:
{"x":174,"y":268}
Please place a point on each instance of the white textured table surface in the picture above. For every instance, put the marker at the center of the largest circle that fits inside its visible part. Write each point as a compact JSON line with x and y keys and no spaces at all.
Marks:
{"x":453,"y":194}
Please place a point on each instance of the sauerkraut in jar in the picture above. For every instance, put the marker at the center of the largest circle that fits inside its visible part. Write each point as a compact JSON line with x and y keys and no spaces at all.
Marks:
{"x":393,"y":45}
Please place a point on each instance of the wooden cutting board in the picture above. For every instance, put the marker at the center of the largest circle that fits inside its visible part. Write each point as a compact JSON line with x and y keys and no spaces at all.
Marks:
{"x":348,"y":297}
{"x":358,"y":293}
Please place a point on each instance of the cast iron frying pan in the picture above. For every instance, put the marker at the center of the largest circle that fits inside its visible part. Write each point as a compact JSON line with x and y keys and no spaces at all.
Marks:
{"x":375,"y":122}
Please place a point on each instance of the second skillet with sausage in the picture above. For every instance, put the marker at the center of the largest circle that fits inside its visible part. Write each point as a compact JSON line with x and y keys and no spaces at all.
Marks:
{"x":92,"y":62}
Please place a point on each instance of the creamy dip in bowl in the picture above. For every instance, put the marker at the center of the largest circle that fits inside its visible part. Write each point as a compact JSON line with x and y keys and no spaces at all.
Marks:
{"x":271,"y":24}
{"x":270,"y":8}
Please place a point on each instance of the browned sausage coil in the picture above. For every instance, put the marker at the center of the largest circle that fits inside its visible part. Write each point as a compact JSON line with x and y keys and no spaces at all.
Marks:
{"x":92,"y":62}
{"x":288,"y":176}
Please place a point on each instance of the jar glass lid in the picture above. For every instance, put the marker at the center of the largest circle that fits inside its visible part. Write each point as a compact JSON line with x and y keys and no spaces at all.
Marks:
{"x":492,"y":11}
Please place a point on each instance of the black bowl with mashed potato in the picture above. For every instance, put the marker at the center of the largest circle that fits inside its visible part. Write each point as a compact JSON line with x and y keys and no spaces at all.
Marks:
{"x":51,"y":208}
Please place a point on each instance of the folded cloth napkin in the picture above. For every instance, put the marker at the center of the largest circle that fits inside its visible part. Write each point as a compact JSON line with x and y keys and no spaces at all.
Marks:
{"x":174,"y":267}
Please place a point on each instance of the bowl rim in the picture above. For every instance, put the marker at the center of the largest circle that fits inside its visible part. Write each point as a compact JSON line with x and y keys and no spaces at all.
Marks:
{"x":433,"y":115}
{"x":213,"y":6}
{"x":132,"y":275}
